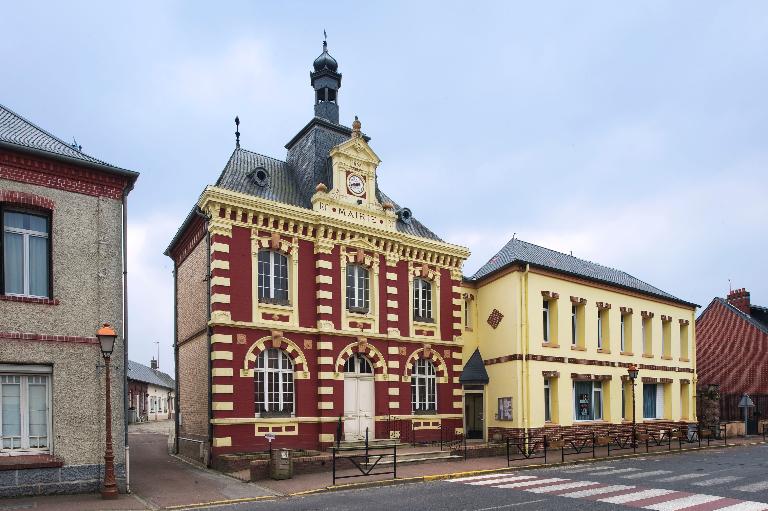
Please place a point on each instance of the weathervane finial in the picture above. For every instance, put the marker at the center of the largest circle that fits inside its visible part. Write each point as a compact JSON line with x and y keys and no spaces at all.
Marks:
{"x":325,"y":40}
{"x":237,"y":132}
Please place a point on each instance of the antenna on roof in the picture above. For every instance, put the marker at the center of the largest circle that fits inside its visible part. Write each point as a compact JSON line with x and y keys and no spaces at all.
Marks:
{"x":75,"y":145}
{"x":730,"y":289}
{"x":513,"y":236}
{"x":237,"y":132}
{"x":571,"y":253}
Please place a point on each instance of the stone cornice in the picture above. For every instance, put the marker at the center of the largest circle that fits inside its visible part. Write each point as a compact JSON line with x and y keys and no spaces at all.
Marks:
{"x":214,"y":198}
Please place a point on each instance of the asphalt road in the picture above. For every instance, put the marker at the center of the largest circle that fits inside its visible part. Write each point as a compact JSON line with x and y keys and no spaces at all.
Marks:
{"x":732,"y":479}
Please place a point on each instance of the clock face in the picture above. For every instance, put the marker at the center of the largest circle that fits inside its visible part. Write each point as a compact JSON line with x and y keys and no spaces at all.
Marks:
{"x":356,"y":184}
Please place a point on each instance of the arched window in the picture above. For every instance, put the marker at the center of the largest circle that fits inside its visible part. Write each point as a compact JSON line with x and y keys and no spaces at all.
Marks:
{"x":357,"y":288}
{"x":274,"y":382}
{"x":273,"y":277}
{"x":422,"y":300}
{"x":423,"y":386}
{"x":358,"y":364}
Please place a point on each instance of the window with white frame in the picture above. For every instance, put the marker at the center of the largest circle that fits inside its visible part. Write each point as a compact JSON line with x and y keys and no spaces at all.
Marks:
{"x":574,"y":340}
{"x":423,"y":386}
{"x":623,"y":335}
{"x":358,"y":285}
{"x":422,"y":300}
{"x":467,"y":314}
{"x":274,"y":382}
{"x":653,"y":401}
{"x":545,"y":319}
{"x":273,"y":277}
{"x":547,"y":400}
{"x":599,"y":329}
{"x":24,"y":412}
{"x":588,"y":400}
{"x":26,"y":254}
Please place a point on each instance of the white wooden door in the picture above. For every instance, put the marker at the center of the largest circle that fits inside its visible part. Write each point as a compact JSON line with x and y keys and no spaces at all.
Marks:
{"x":351,"y":417}
{"x":365,"y":398}
{"x":358,"y":407}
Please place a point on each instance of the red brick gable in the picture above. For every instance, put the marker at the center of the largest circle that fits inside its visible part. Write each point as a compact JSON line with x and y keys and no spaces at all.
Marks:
{"x":731,"y":350}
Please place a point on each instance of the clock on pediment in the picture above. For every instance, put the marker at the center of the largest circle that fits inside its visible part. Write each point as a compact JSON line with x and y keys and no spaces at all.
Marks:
{"x":356,"y":184}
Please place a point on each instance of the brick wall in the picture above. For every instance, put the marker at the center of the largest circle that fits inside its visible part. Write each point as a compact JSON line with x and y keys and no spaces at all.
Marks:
{"x":193,"y":387}
{"x":192,"y":293}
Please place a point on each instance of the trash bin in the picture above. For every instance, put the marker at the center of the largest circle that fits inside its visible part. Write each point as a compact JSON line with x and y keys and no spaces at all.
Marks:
{"x":131,"y":415}
{"x":281,"y":464}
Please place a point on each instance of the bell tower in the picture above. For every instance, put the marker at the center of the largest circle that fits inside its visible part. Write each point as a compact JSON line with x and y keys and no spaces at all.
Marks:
{"x":326,"y":81}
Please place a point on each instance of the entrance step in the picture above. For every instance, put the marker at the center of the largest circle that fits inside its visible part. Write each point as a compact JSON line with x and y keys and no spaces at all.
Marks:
{"x":378,"y":443}
{"x":417,"y":457}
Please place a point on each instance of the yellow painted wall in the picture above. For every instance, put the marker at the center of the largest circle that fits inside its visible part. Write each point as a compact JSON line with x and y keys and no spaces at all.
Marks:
{"x":518,"y":296}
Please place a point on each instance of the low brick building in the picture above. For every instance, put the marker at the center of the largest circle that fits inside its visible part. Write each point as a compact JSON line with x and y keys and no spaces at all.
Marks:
{"x":305,"y":296}
{"x":61,"y":268}
{"x":732,"y":349}
{"x":151,"y":393}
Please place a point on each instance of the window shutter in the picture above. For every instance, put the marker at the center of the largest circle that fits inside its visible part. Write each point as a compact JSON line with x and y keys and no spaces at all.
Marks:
{"x":659,"y":401}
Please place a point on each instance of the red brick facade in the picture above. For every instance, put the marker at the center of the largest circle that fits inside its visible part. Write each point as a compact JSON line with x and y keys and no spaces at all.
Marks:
{"x":732,"y":349}
{"x":314,"y":333}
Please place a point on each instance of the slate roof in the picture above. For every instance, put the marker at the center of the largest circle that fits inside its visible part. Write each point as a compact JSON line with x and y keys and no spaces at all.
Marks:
{"x":142,"y":373}
{"x":519,"y":251}
{"x":474,"y":370}
{"x":283,"y":186}
{"x":18,"y":133}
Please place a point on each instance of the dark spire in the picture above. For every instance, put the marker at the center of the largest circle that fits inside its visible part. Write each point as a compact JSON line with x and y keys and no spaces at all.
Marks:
{"x":237,"y":132}
{"x":326,"y":80}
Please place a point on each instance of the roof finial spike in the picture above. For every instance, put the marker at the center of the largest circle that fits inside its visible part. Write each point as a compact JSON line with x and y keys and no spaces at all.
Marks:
{"x":356,"y":125}
{"x":325,"y":41}
{"x":237,"y":132}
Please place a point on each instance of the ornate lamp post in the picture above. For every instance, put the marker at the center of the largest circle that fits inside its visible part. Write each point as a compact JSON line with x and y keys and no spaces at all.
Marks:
{"x":632,"y":370}
{"x":107,"y":335}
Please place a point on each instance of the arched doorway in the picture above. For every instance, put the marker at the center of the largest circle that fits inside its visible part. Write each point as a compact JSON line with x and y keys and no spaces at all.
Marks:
{"x":358,"y":398}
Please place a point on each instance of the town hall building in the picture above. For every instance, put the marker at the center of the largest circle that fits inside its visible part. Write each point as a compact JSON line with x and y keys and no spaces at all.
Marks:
{"x":306,"y":298}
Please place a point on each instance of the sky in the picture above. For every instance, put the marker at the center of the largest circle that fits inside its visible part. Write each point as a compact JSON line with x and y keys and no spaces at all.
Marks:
{"x":632,"y":134}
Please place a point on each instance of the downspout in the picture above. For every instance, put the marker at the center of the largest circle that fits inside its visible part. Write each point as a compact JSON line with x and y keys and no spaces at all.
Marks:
{"x":207,"y":218}
{"x":176,"y":359}
{"x":524,"y":341}
{"x":125,"y":338}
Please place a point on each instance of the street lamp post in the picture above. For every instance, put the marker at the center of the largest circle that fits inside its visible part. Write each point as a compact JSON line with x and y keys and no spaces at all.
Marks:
{"x":107,"y":335}
{"x":632,"y":371}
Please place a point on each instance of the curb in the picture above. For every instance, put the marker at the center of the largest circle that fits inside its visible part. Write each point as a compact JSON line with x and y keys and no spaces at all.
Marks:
{"x":448,"y":476}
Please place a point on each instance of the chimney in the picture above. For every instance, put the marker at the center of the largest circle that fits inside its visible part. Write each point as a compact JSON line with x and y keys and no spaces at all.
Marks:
{"x":739,"y":298}
{"x":153,"y":363}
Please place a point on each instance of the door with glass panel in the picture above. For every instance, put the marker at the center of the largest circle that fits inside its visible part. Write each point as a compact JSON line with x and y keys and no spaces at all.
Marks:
{"x":473,"y":415}
{"x":358,"y":398}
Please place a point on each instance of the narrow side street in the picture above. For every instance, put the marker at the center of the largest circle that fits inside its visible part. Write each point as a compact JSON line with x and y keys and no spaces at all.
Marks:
{"x":161,"y":480}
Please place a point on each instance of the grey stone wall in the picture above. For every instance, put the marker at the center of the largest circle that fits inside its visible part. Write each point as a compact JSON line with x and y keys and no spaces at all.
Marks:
{"x":87,"y":281}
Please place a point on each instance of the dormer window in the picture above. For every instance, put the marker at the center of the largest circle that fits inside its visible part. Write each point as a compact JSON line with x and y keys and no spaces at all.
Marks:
{"x":358,"y":286}
{"x":273,"y":277}
{"x":422,"y":300}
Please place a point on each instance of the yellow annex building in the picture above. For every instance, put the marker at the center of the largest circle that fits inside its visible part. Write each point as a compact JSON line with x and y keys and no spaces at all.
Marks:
{"x":548,"y":339}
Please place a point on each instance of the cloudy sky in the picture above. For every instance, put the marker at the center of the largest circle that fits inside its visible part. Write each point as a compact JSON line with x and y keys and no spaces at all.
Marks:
{"x":633,"y":134}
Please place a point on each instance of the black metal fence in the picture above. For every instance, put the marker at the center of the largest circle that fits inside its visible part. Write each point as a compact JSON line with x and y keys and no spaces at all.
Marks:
{"x":593,"y":445}
{"x":367,"y":460}
{"x":730,"y":411}
{"x":402,"y":429}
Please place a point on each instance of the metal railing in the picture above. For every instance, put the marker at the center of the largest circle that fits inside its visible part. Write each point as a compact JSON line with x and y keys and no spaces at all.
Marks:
{"x":364,"y":460}
{"x":593,"y":445}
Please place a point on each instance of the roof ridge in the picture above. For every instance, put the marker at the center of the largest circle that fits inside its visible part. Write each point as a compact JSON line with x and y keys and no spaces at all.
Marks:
{"x":260,"y":154}
{"x":46,"y":132}
{"x":741,"y":313}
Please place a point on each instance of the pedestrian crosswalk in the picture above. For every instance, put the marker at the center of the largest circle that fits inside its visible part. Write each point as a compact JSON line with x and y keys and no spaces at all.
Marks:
{"x":642,"y":497}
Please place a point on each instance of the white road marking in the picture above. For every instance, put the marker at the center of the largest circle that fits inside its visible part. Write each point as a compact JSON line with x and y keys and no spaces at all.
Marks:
{"x":682,"y":477}
{"x":505,"y":506}
{"x":484,"y":476}
{"x":717,"y":481}
{"x":564,"y":486}
{"x":618,"y":471}
{"x":596,"y":491}
{"x":762,"y":485}
{"x":682,"y":503}
{"x":745,"y":506}
{"x":588,"y":469}
{"x":523,"y":484}
{"x":629,"y":497}
{"x":497,"y":480}
{"x":646,"y":474}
